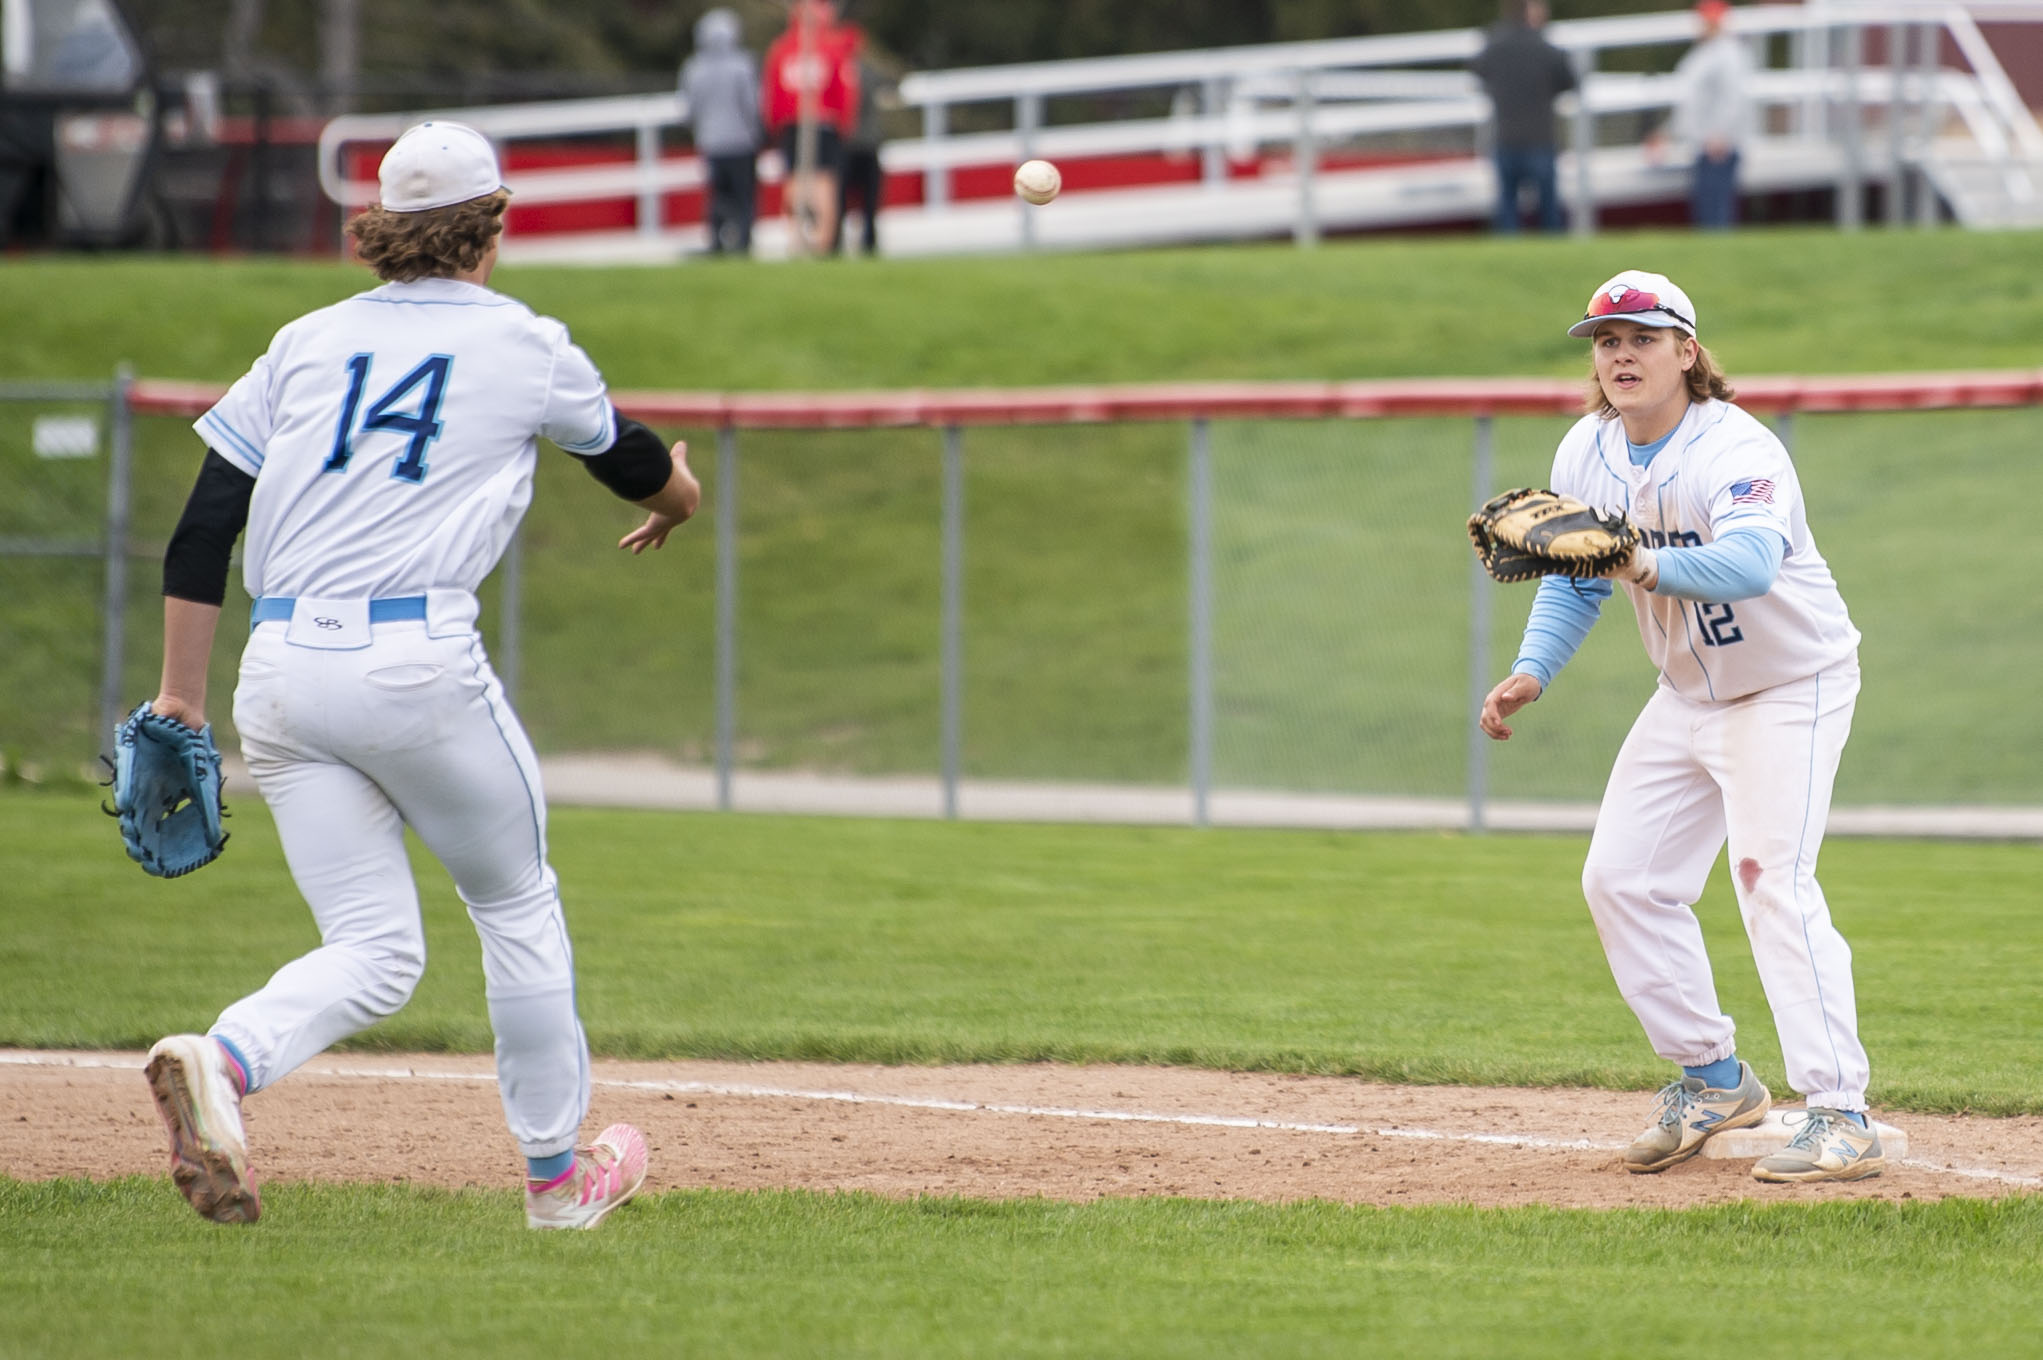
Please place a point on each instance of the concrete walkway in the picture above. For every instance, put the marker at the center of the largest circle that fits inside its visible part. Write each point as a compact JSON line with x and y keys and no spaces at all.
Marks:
{"x":641,"y":780}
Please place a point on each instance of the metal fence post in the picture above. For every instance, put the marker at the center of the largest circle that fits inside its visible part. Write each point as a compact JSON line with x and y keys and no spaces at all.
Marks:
{"x":1306,"y":231}
{"x":1582,"y":137}
{"x":1897,"y":124}
{"x":1200,"y":478}
{"x":952,"y":624}
{"x":936,"y":171}
{"x":1481,"y":474}
{"x":119,"y":510}
{"x":1028,"y":116}
{"x":1851,"y":210}
{"x":726,"y":611}
{"x":510,"y":615}
{"x":648,"y":146}
{"x":1926,"y":124}
{"x":1213,"y":151}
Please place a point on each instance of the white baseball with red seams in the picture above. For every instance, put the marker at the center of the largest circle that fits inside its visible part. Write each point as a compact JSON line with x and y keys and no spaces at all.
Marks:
{"x":1037,"y":181}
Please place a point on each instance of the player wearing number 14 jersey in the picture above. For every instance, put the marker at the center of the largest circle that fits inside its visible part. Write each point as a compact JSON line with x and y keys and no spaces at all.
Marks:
{"x":380,"y":456}
{"x":1740,"y":742}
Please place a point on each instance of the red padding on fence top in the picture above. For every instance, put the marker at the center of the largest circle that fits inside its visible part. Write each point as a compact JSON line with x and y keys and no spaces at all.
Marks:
{"x":163,"y":397}
{"x":1106,"y":404}
{"x":1893,"y":392}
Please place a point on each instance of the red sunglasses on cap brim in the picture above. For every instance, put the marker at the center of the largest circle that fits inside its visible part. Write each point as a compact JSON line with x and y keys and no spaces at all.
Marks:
{"x":1630,"y":302}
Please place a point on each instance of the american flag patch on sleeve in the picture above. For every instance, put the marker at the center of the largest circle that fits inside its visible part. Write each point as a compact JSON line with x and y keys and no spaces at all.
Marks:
{"x":1758,"y":491}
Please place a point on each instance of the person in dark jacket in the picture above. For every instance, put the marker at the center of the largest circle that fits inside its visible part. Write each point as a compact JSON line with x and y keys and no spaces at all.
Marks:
{"x":860,"y":178}
{"x":1523,"y":74}
{"x":722,"y":87}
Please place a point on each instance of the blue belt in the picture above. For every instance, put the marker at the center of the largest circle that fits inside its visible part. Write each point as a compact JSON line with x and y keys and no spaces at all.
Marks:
{"x":271,"y":608}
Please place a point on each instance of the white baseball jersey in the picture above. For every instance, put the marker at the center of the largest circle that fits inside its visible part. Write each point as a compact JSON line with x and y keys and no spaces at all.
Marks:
{"x":392,"y":438}
{"x":1720,"y":470}
{"x":341,"y":423}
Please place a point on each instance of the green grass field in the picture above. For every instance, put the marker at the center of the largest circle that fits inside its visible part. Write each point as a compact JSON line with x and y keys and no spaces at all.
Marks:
{"x":376,"y":1271}
{"x":1342,"y":580}
{"x":1406,"y":957}
{"x":1419,"y":958}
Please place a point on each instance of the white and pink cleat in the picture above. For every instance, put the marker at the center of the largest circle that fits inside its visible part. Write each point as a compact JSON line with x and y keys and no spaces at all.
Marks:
{"x":606,"y":1173}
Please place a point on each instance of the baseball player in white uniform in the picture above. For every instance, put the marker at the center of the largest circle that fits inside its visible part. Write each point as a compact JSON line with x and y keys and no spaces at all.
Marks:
{"x":1758,"y":664}
{"x":380,"y":455}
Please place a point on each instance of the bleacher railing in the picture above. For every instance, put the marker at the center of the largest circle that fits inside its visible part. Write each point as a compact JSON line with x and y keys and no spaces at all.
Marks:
{"x":1935,"y":106}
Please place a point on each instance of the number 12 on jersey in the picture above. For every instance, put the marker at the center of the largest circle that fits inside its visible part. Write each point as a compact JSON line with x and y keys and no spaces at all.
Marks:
{"x":421,"y":422}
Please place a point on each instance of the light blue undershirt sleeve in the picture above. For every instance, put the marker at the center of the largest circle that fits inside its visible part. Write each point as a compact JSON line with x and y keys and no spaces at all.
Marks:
{"x":1563,"y":612}
{"x":1742,"y":564}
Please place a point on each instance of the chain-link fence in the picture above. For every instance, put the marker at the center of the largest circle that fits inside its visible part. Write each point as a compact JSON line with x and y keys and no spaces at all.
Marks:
{"x":1243,"y":614}
{"x":64,"y":461}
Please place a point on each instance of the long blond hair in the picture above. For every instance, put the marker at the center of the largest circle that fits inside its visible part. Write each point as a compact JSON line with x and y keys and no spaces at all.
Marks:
{"x":1706,"y":381}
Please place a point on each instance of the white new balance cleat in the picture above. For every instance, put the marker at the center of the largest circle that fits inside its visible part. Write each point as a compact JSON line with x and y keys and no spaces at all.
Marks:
{"x":606,"y":1173}
{"x":1691,"y":1114}
{"x":1829,"y":1146}
{"x":193,"y":1083}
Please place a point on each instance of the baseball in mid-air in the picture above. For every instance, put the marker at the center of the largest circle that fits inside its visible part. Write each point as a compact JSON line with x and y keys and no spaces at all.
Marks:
{"x":1037,"y":181}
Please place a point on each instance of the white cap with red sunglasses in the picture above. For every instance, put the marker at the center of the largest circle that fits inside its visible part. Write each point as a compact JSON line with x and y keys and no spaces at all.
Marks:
{"x":1649,"y":299}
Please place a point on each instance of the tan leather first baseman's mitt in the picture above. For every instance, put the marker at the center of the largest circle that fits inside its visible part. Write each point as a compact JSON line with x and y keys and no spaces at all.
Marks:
{"x":1526,"y":533}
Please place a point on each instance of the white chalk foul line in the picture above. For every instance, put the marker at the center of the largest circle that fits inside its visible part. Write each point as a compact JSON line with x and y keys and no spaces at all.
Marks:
{"x":1215,"y":1121}
{"x":986,"y":1107}
{"x":710,"y":1088}
{"x":1975,"y":1173}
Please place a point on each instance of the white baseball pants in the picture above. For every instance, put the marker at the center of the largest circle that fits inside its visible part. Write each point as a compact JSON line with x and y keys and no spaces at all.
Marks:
{"x":350,"y":747}
{"x":1757,"y":771}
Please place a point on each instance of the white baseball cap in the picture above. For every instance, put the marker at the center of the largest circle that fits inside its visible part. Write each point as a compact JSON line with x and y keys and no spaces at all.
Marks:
{"x":1649,"y":299}
{"x":436,"y":165}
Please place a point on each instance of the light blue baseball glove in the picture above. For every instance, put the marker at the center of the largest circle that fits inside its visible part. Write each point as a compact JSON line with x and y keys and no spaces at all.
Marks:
{"x":166,"y":784}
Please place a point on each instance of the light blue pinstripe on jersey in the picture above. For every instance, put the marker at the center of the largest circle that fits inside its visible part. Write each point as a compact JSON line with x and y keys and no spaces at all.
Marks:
{"x":211,"y":420}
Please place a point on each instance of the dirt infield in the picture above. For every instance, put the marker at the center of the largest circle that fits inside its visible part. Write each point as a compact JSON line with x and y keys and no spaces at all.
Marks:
{"x":1074,"y":1133}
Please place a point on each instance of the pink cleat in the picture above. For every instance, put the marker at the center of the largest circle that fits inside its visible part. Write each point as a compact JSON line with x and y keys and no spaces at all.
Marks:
{"x":606,"y":1173}
{"x":195,"y":1090}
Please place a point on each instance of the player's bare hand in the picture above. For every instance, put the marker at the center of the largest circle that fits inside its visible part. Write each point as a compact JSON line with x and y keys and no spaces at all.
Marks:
{"x":1511,"y":694}
{"x":1640,"y":566}
{"x":652,"y":534}
{"x":668,"y":508}
{"x":186,"y":712}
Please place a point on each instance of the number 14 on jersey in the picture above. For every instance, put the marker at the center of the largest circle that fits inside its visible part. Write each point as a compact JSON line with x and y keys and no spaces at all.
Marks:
{"x":396,"y":410}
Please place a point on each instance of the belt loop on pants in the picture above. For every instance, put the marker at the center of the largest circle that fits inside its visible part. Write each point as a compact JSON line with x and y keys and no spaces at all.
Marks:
{"x":277,"y":608}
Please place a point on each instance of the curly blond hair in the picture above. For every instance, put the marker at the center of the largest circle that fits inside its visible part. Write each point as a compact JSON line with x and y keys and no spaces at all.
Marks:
{"x":403,"y":247}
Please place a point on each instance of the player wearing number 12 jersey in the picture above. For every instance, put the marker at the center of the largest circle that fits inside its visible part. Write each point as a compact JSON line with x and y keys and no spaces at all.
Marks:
{"x":1759,"y":675}
{"x":380,"y":456}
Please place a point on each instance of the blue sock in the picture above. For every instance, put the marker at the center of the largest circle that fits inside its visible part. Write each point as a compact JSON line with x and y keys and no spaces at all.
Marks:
{"x":549,"y":1168}
{"x":1857,"y":1117}
{"x":240,"y":1059}
{"x":1721,"y":1075}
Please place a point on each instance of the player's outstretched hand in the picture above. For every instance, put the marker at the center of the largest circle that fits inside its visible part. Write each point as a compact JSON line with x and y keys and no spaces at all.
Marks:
{"x":1511,"y":694}
{"x":668,"y":508}
{"x":652,"y":534}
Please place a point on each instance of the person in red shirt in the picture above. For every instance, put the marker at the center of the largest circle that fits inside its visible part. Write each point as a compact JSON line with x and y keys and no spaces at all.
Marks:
{"x":808,"y":93}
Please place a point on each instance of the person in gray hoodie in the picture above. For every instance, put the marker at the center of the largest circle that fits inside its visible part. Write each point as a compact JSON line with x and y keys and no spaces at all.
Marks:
{"x":721,"y":83}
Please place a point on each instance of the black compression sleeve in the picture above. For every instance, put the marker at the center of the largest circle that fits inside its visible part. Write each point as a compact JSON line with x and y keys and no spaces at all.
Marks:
{"x":634,"y":467}
{"x":195,"y":564}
